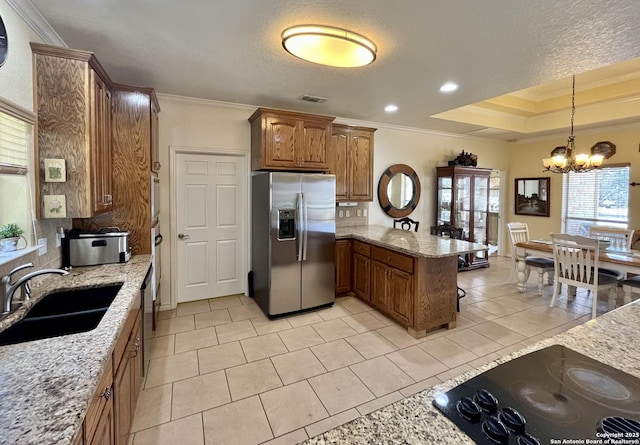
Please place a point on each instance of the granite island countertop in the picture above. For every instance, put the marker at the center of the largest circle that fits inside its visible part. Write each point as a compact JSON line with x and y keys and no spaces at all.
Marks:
{"x":611,"y":338}
{"x":46,"y":385}
{"x":420,"y":244}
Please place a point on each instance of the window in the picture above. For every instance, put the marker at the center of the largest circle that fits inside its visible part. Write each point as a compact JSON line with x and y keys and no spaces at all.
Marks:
{"x":16,"y":140}
{"x":597,"y":197}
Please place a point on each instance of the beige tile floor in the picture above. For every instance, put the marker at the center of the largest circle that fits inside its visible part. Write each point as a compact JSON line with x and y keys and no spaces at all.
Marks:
{"x":223,"y":373}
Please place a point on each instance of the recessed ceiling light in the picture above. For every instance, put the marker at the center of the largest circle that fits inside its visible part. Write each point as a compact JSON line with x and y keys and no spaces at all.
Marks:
{"x":448,"y":87}
{"x":329,"y":46}
{"x":391,"y":108}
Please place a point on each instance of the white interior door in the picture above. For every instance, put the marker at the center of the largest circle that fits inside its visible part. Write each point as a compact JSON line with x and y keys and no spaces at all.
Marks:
{"x":210,"y":224}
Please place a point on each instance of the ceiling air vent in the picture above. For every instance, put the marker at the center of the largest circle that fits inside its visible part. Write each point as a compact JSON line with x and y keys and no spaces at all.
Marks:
{"x":314,"y":99}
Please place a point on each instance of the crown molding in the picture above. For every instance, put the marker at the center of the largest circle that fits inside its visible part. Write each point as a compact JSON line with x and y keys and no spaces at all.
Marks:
{"x":33,"y":18}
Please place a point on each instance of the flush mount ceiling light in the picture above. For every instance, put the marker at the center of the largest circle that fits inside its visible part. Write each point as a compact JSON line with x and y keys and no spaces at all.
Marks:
{"x":391,"y":108}
{"x":449,"y":87}
{"x":329,"y":46}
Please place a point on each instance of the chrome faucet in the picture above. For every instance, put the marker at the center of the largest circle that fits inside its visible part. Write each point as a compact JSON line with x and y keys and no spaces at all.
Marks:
{"x":7,"y":289}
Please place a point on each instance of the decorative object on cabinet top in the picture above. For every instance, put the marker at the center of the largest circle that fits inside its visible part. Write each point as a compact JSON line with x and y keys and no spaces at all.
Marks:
{"x":399,"y":190}
{"x":465,"y":159}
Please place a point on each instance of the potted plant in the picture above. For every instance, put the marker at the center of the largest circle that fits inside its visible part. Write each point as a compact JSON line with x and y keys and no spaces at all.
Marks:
{"x":10,"y":234}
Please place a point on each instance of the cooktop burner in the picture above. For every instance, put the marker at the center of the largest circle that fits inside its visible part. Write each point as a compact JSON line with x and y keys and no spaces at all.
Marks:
{"x":548,"y":396}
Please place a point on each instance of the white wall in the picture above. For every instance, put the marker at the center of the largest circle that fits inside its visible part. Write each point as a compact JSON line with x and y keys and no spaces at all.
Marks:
{"x":196,"y":123}
{"x":16,"y":80}
{"x":424,"y":151}
{"x":186,"y":122}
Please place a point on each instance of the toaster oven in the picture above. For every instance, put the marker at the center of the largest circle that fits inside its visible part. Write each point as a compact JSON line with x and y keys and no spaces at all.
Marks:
{"x":91,"y":249}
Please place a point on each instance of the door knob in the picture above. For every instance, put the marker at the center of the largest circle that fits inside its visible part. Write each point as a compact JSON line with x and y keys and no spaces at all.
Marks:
{"x":183,"y":236}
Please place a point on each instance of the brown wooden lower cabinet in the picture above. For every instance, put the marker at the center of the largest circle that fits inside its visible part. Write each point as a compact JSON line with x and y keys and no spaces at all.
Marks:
{"x":127,"y":380}
{"x":379,"y":292}
{"x":79,"y":438}
{"x":343,"y":267}
{"x":104,"y":429}
{"x":98,"y":424}
{"x":109,"y":416}
{"x":362,"y":276}
{"x":400,"y":288}
{"x":419,"y":293}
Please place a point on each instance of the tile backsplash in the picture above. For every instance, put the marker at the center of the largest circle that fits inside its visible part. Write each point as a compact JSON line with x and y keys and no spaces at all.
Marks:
{"x":357,"y":215}
{"x":45,"y":228}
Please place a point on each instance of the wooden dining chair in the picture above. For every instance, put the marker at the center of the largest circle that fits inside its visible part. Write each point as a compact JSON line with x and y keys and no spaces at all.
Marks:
{"x":455,"y":233}
{"x":630,"y":287}
{"x":406,"y":223}
{"x":621,"y":239}
{"x":576,"y":264}
{"x":519,"y":233}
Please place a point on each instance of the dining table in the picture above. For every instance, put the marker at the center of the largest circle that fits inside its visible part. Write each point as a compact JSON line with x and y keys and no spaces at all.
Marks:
{"x":624,"y":260}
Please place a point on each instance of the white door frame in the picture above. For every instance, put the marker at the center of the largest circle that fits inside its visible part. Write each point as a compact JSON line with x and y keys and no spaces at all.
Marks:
{"x":173,"y":186}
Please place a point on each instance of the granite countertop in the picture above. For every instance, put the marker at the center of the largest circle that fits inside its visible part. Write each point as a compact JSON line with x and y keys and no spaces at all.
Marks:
{"x":420,"y":244}
{"x":46,"y":385}
{"x":611,"y":338}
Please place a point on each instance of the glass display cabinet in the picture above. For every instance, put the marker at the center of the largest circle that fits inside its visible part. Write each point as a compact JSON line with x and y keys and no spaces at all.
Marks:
{"x":463,"y":201}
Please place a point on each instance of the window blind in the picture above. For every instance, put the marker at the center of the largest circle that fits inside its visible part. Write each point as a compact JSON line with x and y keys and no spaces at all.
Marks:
{"x":597,"y":197}
{"x":14,"y":140}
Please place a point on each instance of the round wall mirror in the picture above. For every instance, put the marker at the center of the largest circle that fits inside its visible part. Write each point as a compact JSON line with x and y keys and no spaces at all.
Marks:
{"x":399,"y":190}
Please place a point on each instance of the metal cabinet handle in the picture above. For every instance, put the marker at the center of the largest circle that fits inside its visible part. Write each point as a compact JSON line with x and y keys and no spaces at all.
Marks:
{"x":183,"y":236}
{"x":106,"y":394}
{"x":108,"y":199}
{"x":137,"y":347}
{"x":156,"y":166}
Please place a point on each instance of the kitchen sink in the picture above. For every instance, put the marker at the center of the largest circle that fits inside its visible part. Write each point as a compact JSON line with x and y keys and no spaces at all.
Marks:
{"x":62,"y":313}
{"x":74,"y":300}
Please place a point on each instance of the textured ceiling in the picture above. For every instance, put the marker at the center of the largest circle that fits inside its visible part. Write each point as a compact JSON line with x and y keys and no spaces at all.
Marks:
{"x":230,"y":50}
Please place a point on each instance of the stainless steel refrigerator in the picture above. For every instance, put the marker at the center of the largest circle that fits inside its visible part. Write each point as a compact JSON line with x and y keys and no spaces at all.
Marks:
{"x":292,"y":241}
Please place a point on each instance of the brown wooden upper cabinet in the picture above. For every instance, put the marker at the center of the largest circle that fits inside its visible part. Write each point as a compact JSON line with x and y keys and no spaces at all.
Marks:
{"x":284,"y":140}
{"x":73,"y":103}
{"x":352,"y":162}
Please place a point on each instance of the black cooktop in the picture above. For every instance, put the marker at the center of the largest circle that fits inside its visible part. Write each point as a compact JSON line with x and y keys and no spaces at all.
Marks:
{"x":554,"y":395}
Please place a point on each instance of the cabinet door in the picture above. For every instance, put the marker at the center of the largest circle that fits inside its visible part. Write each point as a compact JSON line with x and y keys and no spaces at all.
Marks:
{"x":462,"y":217}
{"x":443,"y":215}
{"x":379,"y":285}
{"x":122,"y":401}
{"x":361,"y":166}
{"x":401,"y":296}
{"x":136,"y":363}
{"x":280,"y":144}
{"x":339,"y":156}
{"x":343,"y":266}
{"x":155,"y":147}
{"x":101,"y":154}
{"x":361,"y":276}
{"x":104,"y":429}
{"x":313,"y":148}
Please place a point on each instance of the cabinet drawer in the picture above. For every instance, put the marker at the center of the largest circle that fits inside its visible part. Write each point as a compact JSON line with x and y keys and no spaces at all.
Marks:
{"x":394,"y":259}
{"x":362,"y":248}
{"x":102,"y":397}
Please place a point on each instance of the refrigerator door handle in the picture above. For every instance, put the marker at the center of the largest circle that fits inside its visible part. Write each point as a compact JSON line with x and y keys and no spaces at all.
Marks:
{"x":305,"y":222}
{"x":299,"y":226}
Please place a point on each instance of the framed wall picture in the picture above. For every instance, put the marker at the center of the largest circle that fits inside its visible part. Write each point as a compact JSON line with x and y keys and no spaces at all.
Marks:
{"x":55,"y":170}
{"x":532,"y":196}
{"x":55,"y":206}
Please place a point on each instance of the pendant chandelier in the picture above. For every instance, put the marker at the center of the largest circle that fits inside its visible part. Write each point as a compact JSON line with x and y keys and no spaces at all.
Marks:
{"x":563,"y":159}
